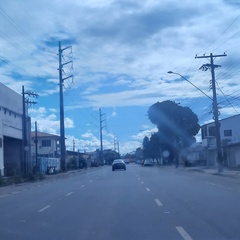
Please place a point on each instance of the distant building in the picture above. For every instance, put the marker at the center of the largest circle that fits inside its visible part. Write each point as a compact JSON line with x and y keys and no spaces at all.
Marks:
{"x":230,"y":139}
{"x":11,"y":147}
{"x":48,"y":145}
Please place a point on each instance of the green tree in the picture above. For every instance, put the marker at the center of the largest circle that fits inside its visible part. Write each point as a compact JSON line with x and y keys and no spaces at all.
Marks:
{"x":146,"y":148}
{"x":176,"y":125}
{"x":155,"y":147}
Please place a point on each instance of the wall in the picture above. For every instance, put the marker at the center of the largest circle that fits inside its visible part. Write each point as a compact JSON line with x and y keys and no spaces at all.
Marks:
{"x":209,"y":141}
{"x":10,"y":124}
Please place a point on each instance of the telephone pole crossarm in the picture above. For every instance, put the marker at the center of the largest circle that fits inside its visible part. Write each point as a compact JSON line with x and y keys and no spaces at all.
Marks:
{"x":209,"y":56}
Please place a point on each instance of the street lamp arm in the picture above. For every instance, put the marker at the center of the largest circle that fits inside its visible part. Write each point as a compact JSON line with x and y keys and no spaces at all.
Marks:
{"x":170,"y":72}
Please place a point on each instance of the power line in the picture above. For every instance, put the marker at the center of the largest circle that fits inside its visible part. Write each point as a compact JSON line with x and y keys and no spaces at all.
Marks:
{"x":18,"y":28}
{"x":227,"y":98}
{"x":220,"y":34}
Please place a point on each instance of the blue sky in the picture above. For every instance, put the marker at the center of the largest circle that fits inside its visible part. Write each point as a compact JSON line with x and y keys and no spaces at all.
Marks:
{"x":121,"y":53}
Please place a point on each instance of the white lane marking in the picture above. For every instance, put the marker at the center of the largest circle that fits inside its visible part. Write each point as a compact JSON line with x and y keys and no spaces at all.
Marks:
{"x":139,"y":178}
{"x":82,"y":186}
{"x":158,"y":202}
{"x":43,"y":209}
{"x":142,"y":182}
{"x":183,"y":233}
{"x":15,"y":192}
{"x":69,"y":194}
{"x":210,"y":183}
{"x":90,"y":180}
{"x":148,"y":189}
{"x":5,"y":195}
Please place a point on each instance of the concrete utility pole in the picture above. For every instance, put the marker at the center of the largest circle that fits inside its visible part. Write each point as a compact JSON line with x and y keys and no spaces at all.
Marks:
{"x":73,"y":145}
{"x":101,"y":138}
{"x":216,"y":112}
{"x":115,"y":143}
{"x":36,"y":146}
{"x":62,"y":129}
{"x":25,"y":142}
{"x":118,"y":147}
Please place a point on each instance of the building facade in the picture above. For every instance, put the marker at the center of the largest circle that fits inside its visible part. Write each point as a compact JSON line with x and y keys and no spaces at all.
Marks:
{"x":11,"y":145}
{"x":47,"y":145}
{"x":230,"y":139}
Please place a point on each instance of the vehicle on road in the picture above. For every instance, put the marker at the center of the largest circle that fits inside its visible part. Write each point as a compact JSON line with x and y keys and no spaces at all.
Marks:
{"x":118,"y":164}
{"x":126,"y":161}
{"x":147,"y":162}
{"x":138,"y":161}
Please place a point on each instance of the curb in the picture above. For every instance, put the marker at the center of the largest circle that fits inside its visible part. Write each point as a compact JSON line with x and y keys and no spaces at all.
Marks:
{"x":222,"y":174}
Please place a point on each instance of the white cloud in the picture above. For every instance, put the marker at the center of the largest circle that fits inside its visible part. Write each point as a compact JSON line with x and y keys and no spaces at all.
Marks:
{"x":122,"y":51}
{"x":143,"y":133}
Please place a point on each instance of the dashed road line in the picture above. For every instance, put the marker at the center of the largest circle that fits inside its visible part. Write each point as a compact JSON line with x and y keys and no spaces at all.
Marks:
{"x":91,"y":181}
{"x":82,"y":186}
{"x":5,"y":195}
{"x":210,"y":183}
{"x":158,"y":202}
{"x":148,"y":189}
{"x":15,"y":192}
{"x":142,"y":182}
{"x":43,"y":209}
{"x":183,"y":233}
{"x":69,"y":194}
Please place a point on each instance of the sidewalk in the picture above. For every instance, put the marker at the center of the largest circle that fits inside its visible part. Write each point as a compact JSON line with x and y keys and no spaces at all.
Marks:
{"x":214,"y":171}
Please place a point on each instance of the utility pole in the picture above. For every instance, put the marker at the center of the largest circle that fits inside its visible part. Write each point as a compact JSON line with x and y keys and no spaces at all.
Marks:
{"x":62,"y":129}
{"x":118,"y":147}
{"x":36,"y":146}
{"x":25,"y":138}
{"x":73,"y":145}
{"x":114,"y":143}
{"x":216,"y":112}
{"x":101,"y":137}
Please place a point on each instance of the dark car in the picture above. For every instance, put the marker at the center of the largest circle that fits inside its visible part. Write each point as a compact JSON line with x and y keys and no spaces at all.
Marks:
{"x":118,"y":164}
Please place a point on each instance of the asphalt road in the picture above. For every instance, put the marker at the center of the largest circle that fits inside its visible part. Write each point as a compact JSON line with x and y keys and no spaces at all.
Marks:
{"x":139,"y":203}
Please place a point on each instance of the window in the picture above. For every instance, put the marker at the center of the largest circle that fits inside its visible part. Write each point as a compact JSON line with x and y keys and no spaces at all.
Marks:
{"x":212,"y":131}
{"x":228,"y":133}
{"x":46,"y":143}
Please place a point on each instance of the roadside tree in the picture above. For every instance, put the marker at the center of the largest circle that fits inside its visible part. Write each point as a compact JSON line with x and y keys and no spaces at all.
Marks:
{"x":177,"y":126}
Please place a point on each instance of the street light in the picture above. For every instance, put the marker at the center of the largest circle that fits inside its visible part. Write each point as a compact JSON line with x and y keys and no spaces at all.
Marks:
{"x":217,"y":125}
{"x":170,"y":72}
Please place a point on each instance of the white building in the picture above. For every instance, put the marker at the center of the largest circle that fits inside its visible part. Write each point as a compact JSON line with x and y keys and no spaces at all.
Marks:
{"x":48,"y":145}
{"x":230,"y":139}
{"x":10,"y":131}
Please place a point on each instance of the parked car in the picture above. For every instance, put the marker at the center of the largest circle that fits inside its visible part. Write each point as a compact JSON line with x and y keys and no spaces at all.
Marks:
{"x":94,"y":164}
{"x":118,"y":164}
{"x":126,"y":161}
{"x":147,"y":162}
{"x":138,"y":161}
